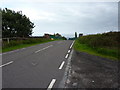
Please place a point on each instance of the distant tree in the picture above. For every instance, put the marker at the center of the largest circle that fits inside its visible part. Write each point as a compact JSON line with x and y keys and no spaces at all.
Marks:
{"x":75,"y":34}
{"x":64,"y":38}
{"x":14,"y":24}
{"x":58,"y":34}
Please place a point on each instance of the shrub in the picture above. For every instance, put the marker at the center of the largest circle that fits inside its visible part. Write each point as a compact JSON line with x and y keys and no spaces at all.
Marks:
{"x":109,"y":40}
{"x":23,"y":41}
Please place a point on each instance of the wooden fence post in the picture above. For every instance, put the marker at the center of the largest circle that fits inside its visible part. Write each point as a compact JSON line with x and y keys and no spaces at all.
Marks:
{"x":8,"y":40}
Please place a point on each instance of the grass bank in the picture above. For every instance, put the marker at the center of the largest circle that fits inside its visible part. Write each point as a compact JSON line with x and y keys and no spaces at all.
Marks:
{"x":104,"y":45}
{"x":17,"y":44}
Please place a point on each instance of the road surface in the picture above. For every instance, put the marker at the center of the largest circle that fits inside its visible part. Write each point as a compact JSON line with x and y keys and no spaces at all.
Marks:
{"x":39,"y":66}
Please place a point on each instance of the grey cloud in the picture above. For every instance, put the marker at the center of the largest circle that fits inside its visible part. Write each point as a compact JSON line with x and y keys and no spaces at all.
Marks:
{"x":85,"y":17}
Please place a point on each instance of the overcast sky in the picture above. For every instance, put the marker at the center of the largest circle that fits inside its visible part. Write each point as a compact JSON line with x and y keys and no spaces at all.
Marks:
{"x":68,"y":17}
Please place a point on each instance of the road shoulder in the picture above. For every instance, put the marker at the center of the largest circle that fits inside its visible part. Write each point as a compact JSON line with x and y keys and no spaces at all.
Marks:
{"x":89,"y":71}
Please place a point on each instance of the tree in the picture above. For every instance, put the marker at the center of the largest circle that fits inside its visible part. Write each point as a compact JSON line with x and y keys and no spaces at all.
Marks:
{"x":75,"y":35}
{"x":14,"y":24}
{"x":58,"y":34}
{"x":64,"y":38}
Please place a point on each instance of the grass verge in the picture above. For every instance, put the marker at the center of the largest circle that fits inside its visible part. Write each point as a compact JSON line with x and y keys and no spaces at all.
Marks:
{"x":19,"y":46}
{"x":102,"y":52}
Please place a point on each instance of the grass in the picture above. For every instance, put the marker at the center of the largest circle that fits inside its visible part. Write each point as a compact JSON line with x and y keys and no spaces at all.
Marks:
{"x":102,"y":52}
{"x":22,"y":45}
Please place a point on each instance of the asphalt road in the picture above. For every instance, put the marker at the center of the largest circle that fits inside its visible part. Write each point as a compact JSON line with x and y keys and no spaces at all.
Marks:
{"x":39,"y":66}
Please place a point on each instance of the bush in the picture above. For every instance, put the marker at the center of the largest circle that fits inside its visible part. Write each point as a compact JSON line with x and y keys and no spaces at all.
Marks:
{"x":109,"y":40}
{"x":106,"y":44}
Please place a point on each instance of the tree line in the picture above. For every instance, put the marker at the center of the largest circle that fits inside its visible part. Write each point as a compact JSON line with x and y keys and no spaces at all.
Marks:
{"x":15,"y":24}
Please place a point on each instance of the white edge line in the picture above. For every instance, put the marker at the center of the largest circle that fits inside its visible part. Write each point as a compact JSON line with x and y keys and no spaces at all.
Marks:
{"x":68,"y":51}
{"x":66,"y":56}
{"x":51,"y":84}
{"x":61,"y":66}
{"x":6,"y":64}
{"x":66,"y":72}
{"x":72,"y":44}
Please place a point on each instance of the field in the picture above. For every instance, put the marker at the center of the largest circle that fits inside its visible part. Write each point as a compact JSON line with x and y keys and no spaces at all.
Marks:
{"x":104,"y":45}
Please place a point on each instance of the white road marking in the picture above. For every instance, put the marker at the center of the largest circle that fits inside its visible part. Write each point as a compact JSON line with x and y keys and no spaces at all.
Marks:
{"x":66,"y":72}
{"x":43,"y":49}
{"x":51,"y":84}
{"x":68,"y":51}
{"x":6,"y":64}
{"x":62,"y":65}
{"x":4,"y":53}
{"x":59,"y":42}
{"x":72,"y":44}
{"x":23,"y":48}
{"x":13,"y":51}
{"x":66,"y":56}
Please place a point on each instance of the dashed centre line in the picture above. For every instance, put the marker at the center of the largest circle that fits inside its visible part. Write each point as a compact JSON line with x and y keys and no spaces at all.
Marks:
{"x":51,"y":84}
{"x":61,"y":66}
{"x":43,"y":49}
{"x":6,"y":64}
